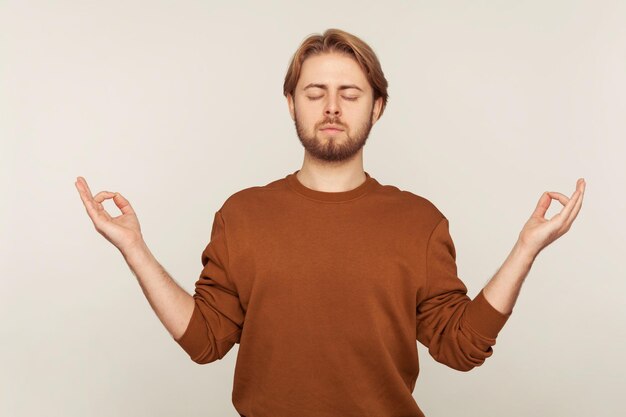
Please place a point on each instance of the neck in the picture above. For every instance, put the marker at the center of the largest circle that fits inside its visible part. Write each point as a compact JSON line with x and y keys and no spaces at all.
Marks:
{"x":332,"y":176}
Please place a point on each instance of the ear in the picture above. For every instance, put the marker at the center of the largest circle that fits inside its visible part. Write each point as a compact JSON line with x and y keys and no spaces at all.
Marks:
{"x":378,"y":105}
{"x":291,"y":107}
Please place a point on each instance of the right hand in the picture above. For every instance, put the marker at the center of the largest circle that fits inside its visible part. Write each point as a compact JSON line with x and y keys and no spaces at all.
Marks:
{"x":122,"y":231}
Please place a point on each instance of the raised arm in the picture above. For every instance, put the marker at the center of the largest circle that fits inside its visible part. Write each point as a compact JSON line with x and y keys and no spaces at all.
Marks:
{"x":461,"y":332}
{"x":172,"y":304}
{"x":538,"y":232}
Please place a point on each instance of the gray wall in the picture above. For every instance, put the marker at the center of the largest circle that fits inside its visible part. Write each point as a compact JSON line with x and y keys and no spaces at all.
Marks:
{"x":178,"y":105}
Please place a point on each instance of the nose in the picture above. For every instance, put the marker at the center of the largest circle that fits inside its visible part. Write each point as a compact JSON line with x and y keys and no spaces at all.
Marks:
{"x":332,"y":106}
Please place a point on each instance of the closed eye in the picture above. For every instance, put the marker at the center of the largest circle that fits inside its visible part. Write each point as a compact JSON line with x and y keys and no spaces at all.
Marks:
{"x":346,"y":98}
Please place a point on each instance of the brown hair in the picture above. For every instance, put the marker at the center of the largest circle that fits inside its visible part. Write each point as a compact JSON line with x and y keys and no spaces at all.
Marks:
{"x":335,"y":40}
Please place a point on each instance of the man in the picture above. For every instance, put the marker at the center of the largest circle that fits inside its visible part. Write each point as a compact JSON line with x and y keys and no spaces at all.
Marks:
{"x":325,"y":277}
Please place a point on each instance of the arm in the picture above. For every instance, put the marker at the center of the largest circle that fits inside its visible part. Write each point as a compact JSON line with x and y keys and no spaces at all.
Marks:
{"x":171,"y":303}
{"x":458,"y":331}
{"x":503,"y":289}
{"x":207,"y":324}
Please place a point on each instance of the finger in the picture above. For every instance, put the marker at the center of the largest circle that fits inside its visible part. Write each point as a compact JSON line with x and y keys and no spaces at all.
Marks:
{"x":82,"y":191}
{"x":123,"y":204}
{"x":545,"y":200}
{"x":542,"y":205}
{"x":97,"y":203}
{"x":582,"y":184}
{"x":577,"y":206}
{"x":119,"y":200}
{"x":83,"y":188}
{"x":85,"y":196}
{"x":103,"y":195}
{"x":562,"y":198}
{"x":94,"y":208}
{"x":566,"y":211}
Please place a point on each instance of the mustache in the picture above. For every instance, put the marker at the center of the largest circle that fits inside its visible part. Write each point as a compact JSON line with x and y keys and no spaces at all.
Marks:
{"x":331,"y":121}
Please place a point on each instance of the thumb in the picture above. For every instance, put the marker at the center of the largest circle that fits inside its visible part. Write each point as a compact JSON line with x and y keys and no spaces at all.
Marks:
{"x":123,"y":204}
{"x":542,"y":205}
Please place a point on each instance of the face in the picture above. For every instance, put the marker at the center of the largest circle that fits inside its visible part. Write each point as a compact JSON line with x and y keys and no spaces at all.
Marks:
{"x":333,"y":107}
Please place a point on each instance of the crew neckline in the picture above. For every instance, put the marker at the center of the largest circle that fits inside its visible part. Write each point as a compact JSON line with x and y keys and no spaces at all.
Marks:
{"x":327,"y":196}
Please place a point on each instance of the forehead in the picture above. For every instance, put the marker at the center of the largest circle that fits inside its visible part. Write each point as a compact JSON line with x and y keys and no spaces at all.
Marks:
{"x":333,"y":69}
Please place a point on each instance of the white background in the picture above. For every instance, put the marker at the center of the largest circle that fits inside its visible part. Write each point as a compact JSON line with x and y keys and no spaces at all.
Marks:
{"x":178,"y":105}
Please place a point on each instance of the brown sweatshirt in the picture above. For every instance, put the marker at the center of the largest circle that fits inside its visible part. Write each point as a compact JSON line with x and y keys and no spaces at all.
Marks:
{"x":326,"y":294}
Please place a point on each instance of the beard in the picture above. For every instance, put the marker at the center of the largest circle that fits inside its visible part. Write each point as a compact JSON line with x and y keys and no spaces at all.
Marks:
{"x":333,"y":148}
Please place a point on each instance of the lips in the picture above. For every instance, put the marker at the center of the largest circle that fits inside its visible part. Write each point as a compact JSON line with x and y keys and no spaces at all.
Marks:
{"x":331,"y":128}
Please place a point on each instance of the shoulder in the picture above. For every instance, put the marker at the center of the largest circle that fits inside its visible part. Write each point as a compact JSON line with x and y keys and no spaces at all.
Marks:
{"x":252,"y":197}
{"x":408,"y":203}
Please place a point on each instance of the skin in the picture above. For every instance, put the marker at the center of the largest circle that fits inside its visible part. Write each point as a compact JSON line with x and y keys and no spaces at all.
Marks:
{"x":171,"y":303}
{"x":333,"y":162}
{"x":538,"y":232}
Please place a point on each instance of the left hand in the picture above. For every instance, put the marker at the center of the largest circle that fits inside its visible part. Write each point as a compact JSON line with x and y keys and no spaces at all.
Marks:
{"x":539,"y":232}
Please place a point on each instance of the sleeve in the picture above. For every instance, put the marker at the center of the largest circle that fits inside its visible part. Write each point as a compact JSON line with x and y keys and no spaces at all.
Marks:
{"x":217,"y":319}
{"x":458,"y":332}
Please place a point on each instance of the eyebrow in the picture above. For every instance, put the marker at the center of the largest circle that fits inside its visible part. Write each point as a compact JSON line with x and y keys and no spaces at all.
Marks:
{"x":325,"y":87}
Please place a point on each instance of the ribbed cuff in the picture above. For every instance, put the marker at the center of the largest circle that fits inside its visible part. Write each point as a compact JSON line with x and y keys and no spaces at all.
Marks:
{"x":191,"y":340}
{"x":484,"y":318}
